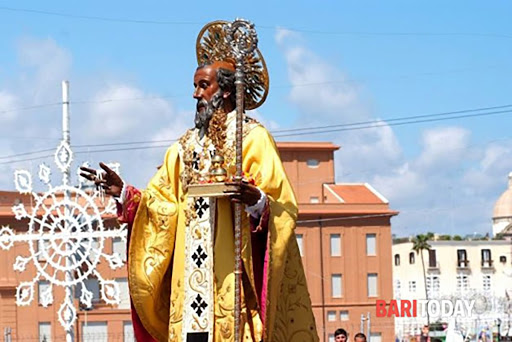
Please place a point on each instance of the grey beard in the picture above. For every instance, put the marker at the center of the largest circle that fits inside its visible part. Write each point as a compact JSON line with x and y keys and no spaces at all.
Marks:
{"x":202,"y":119}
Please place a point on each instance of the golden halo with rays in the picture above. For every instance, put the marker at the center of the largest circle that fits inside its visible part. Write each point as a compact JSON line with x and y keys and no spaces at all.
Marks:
{"x":212,"y":45}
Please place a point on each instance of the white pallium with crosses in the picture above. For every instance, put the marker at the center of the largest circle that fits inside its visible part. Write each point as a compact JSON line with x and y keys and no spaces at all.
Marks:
{"x":66,"y":236}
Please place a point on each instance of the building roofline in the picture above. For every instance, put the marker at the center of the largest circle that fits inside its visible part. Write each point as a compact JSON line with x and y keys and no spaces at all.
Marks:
{"x":469,"y":242}
{"x":328,"y":186}
{"x":306,"y":145}
{"x":340,"y":209}
{"x":434,"y":243}
{"x":376,"y":193}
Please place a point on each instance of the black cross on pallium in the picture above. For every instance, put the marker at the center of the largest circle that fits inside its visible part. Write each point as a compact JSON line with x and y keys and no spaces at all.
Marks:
{"x":199,"y":256}
{"x":199,"y":305}
{"x":195,"y":162}
{"x":212,"y":153}
{"x":201,"y":206}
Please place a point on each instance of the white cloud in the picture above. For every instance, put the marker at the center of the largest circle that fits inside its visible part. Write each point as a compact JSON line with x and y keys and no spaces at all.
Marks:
{"x":443,"y":147}
{"x":44,"y":65}
{"x":317,"y":87}
{"x":120,"y":109}
{"x":282,"y":34}
{"x":268,"y":123}
{"x":489,"y":175}
{"x":176,"y":127}
{"x":402,"y":184}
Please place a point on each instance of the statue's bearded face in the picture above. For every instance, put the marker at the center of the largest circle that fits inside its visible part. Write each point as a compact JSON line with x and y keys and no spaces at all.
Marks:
{"x":209,"y":97}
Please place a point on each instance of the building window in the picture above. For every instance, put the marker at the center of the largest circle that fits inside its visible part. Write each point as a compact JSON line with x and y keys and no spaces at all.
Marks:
{"x":487,"y":282}
{"x":331,"y":316}
{"x":398,"y":288}
{"x":412,"y":286}
{"x":95,"y":246}
{"x":336,"y":289}
{"x":314,"y":199}
{"x":462,"y":282}
{"x":433,"y":286}
{"x":432,"y":258}
{"x":43,"y":287}
{"x":503,"y":259}
{"x":124,"y":293}
{"x":119,"y":247}
{"x":462,"y":260}
{"x":372,"y":285}
{"x":411,"y":258}
{"x":45,"y":332}
{"x":335,"y":244}
{"x":300,"y":243}
{"x":313,"y":163}
{"x":344,"y":315}
{"x":370,"y":244}
{"x":375,"y":337}
{"x":43,"y":246}
{"x":94,"y":331}
{"x":128,"y":334}
{"x":397,"y":259}
{"x":93,"y":286}
{"x":486,"y":258}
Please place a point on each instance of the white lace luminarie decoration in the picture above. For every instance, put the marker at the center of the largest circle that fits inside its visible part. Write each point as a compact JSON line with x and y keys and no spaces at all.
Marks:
{"x":66,"y":238}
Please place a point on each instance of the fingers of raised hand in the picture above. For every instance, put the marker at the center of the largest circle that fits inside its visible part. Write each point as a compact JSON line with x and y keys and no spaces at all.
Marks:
{"x":101,"y":182}
{"x":88,"y":169}
{"x":88,"y":176}
{"x":106,"y":168}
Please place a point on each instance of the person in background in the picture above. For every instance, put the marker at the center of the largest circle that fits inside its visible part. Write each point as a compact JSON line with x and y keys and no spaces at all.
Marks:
{"x":424,"y":334}
{"x":360,"y":337}
{"x":340,"y":335}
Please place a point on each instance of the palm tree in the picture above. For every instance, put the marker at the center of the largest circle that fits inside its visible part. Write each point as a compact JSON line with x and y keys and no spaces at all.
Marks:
{"x":420,"y":244}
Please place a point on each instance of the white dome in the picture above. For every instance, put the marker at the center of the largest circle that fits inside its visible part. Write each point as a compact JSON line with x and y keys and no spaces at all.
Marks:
{"x":503,"y":206}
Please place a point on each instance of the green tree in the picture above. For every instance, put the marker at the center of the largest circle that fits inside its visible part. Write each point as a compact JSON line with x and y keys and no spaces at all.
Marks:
{"x":420,"y":244}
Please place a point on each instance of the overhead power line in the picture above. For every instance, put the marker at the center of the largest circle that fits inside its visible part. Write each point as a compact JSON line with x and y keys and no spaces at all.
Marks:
{"x":30,"y":107}
{"x":27,"y":153}
{"x":99,"y":18}
{"x":127,"y":143}
{"x":141,"y":98}
{"x":384,"y":124}
{"x":268,"y":27}
{"x":397,"y":119}
{"x":404,"y":34}
{"x":466,"y":113}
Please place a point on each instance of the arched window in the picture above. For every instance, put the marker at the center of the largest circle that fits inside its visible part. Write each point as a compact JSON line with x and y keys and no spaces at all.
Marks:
{"x":397,"y":259}
{"x":411,"y":258}
{"x":312,"y":163}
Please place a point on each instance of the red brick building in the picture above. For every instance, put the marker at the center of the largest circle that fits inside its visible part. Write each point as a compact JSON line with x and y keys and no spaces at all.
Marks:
{"x":344,"y":233}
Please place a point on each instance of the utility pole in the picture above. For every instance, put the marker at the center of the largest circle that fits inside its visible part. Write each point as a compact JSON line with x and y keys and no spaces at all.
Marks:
{"x":368,"y":326}
{"x":66,"y":179}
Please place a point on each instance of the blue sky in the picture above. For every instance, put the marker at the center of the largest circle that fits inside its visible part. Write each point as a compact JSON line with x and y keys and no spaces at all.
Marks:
{"x":329,"y":63}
